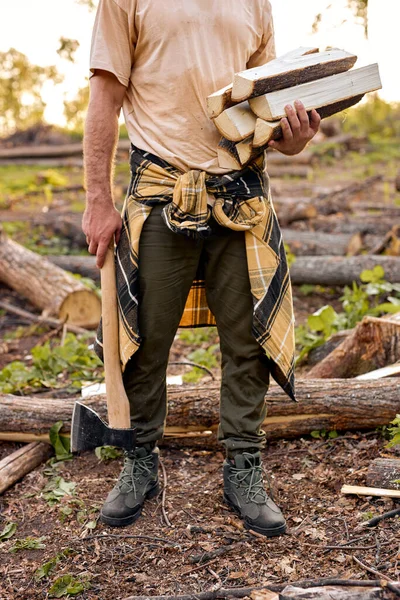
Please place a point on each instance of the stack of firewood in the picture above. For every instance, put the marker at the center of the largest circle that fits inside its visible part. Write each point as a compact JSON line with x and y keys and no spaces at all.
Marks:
{"x":247,"y":113}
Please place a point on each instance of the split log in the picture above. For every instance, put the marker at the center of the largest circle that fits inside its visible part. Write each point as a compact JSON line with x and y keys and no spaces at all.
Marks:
{"x":359,"y":490}
{"x":316,"y":94}
{"x":236,"y":123}
{"x":228,"y":157}
{"x":337,"y":270}
{"x":222,"y":99}
{"x":21,"y":462}
{"x":193,"y":411}
{"x":46,"y":286}
{"x":384,"y":473}
{"x":265,"y":131}
{"x":219,"y":101}
{"x":290,"y":70}
{"x":373,"y":344}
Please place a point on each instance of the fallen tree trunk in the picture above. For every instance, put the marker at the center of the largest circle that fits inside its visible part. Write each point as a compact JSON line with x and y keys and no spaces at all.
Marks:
{"x":339,"y":200}
{"x":373,"y":344}
{"x":364,"y":224}
{"x":384,"y":473}
{"x":316,"y":243}
{"x":46,"y":286}
{"x":21,"y":462}
{"x":49,"y":151}
{"x":317,"y":270}
{"x":194,"y":411}
{"x":290,"y":212}
{"x":337,"y":270}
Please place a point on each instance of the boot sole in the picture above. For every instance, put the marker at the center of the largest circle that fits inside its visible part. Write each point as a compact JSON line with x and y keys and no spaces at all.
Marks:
{"x":268,"y":532}
{"x":124,"y":521}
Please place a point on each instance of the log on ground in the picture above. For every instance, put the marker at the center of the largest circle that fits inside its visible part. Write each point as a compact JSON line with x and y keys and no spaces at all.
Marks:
{"x":46,"y":286}
{"x":373,"y":344}
{"x":193,"y":411}
{"x":21,"y":462}
{"x":317,"y":270}
{"x":338,"y":270}
{"x":384,"y":473}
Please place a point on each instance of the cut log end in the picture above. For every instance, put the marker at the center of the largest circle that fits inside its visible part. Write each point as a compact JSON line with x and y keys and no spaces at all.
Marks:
{"x":82,"y":308}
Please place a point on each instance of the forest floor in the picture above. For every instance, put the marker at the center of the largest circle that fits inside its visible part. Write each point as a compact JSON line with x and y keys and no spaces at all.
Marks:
{"x":326,"y":529}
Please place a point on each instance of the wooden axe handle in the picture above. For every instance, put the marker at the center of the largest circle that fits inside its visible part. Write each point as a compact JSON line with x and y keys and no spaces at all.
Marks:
{"x":117,"y":400}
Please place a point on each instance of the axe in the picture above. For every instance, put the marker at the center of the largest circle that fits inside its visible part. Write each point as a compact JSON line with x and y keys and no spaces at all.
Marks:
{"x":88,"y":430}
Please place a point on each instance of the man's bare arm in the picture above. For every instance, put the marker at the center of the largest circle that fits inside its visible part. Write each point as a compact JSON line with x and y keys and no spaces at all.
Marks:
{"x":101,"y":221}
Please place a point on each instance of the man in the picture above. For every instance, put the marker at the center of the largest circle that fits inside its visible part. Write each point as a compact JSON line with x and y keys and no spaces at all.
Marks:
{"x":194,"y":238}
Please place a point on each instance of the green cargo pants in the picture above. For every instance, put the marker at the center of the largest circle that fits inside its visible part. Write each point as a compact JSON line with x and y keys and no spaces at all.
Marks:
{"x":167,"y":266}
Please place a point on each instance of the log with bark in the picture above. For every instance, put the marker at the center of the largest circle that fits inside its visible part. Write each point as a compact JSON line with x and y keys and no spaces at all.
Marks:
{"x":193,"y":411}
{"x":222,"y":99}
{"x":46,"y":286}
{"x":373,"y":344}
{"x":49,"y":151}
{"x":290,"y":70}
{"x":315,"y":243}
{"x":384,"y":473}
{"x":317,"y":270}
{"x":340,"y":200}
{"x":21,"y":462}
{"x":351,"y":223}
{"x":316,"y":94}
{"x":271,"y":130}
{"x":338,"y":270}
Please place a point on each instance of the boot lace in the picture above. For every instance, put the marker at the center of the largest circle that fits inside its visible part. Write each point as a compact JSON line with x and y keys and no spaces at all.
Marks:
{"x":252,"y":479}
{"x":134,"y":468}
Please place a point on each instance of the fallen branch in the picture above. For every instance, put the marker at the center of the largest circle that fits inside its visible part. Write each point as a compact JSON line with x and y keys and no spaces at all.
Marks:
{"x":224,"y":593}
{"x":371,"y":570}
{"x":56,"y":323}
{"x":206,"y":556}
{"x":21,"y":462}
{"x":387,"y":515}
{"x":164,"y":492}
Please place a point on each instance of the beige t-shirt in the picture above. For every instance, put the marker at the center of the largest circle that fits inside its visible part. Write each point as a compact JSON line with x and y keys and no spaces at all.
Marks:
{"x":170,"y":55}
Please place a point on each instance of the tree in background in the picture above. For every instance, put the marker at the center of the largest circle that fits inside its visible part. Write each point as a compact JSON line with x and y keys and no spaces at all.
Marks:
{"x":21,"y":103}
{"x":359,"y":8}
{"x":68,"y":48}
{"x":75,"y":110}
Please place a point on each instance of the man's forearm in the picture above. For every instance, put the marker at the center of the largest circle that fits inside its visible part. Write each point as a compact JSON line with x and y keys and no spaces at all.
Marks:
{"x":100,"y":141}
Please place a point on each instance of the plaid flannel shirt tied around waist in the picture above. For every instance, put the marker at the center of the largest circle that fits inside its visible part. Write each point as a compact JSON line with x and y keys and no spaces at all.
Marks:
{"x":243,"y":203}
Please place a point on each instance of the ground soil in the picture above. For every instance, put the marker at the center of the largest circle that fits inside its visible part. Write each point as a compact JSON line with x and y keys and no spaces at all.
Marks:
{"x":152,"y":557}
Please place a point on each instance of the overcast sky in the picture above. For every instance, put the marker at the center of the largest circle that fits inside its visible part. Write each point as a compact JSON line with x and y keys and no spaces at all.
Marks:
{"x":35,"y":26}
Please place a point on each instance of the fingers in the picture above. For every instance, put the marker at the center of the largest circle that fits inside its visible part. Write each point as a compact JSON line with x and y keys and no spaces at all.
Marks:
{"x":315,"y":120}
{"x":293,"y":120}
{"x":101,"y":254}
{"x":302,"y":116}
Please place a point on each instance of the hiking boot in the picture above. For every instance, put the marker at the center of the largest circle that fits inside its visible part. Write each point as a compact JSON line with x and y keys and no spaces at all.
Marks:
{"x":138,"y":481}
{"x":244,"y":492}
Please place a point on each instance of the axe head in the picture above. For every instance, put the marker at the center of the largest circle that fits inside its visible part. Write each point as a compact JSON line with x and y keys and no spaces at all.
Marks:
{"x":88,"y":431}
